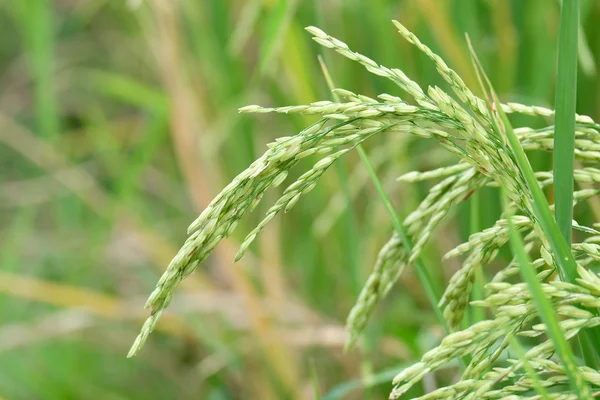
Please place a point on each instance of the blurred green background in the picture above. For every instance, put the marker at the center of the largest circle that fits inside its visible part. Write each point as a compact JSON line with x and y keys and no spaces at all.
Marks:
{"x":118,"y":125}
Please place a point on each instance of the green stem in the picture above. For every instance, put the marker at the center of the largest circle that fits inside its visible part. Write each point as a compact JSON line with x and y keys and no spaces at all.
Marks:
{"x":478,"y":313}
{"x":351,"y":228}
{"x":566,"y":98}
{"x":422,"y":272}
{"x":548,"y":315}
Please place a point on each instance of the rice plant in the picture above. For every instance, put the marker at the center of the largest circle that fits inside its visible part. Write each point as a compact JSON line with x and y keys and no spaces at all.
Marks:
{"x":554,"y":306}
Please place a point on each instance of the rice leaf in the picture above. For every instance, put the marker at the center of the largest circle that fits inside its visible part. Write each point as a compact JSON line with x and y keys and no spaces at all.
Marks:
{"x":566,"y":97}
{"x":548,"y":315}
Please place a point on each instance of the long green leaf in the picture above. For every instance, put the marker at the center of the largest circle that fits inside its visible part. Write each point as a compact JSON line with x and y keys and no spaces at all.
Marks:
{"x":562,"y":254}
{"x":478,"y":313}
{"x":35,"y":19}
{"x":567,"y":266}
{"x":566,"y":97}
{"x":351,"y":231}
{"x":531,"y":373}
{"x":314,"y":380}
{"x":564,"y":137}
{"x":548,"y":315}
{"x":430,"y":289}
{"x":275,"y":31}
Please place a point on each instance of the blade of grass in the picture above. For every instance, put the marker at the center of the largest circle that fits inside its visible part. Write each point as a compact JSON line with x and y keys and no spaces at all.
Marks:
{"x":564,"y":138}
{"x":36,"y":21}
{"x":275,"y":31}
{"x":584,"y":52}
{"x":479,"y":314}
{"x":129,"y":90}
{"x":475,"y":226}
{"x":548,"y":315}
{"x":535,"y":379}
{"x":431,"y":290}
{"x":506,"y":57}
{"x":566,"y":97}
{"x":351,"y":227}
{"x":567,"y":267}
{"x":351,"y":231}
{"x":314,"y":380}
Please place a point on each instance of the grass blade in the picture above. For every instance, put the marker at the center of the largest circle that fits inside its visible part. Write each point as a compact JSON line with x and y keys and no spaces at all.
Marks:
{"x":351,"y":226}
{"x":275,"y":31}
{"x":36,"y":22}
{"x":474,"y":227}
{"x":314,"y":380}
{"x":564,"y":138}
{"x":567,"y":267}
{"x":566,"y":97}
{"x":529,"y":370}
{"x":548,"y":315}
{"x":430,"y":289}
